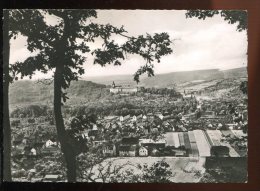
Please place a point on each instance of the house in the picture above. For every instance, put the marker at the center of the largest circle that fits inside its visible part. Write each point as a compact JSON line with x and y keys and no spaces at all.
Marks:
{"x":147,"y":129}
{"x":166,"y":117}
{"x":150,"y":144}
{"x":108,"y":125}
{"x":150,"y":116}
{"x":96,"y":143}
{"x":92,"y":133}
{"x":166,"y":123}
{"x":50,"y":143}
{"x":134,"y":118}
{"x":84,"y":134}
{"x":25,"y":140}
{"x":115,"y":126}
{"x":124,"y":118}
{"x":143,"y":152}
{"x":155,"y":152}
{"x":208,"y":115}
{"x":154,"y":130}
{"x":109,"y":150}
{"x":33,"y":152}
{"x":51,"y":178}
{"x":17,"y":141}
{"x":128,"y":146}
{"x":159,"y":115}
{"x":94,"y":127}
{"x":190,"y":116}
{"x":139,"y":117}
{"x":127,"y":150}
{"x":19,"y":150}
{"x":50,"y":150}
{"x":110,"y":118}
{"x":179,"y":153}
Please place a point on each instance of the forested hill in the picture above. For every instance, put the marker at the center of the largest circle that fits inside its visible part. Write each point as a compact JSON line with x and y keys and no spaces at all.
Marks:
{"x":168,"y":79}
{"x":31,"y":92}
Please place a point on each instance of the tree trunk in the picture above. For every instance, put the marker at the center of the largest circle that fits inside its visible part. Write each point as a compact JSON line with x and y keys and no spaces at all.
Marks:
{"x":6,"y":120}
{"x":66,"y":147}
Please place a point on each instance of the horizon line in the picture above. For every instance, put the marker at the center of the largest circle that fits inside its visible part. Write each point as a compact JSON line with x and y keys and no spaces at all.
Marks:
{"x":166,"y":72}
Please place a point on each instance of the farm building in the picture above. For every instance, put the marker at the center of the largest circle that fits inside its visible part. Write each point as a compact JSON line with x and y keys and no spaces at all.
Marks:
{"x":172,"y":139}
{"x":194,"y":149}
{"x":187,"y":144}
{"x":219,"y":147}
{"x":202,"y":143}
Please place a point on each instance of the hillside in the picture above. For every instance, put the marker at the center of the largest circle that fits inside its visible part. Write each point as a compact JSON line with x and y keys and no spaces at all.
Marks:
{"x":169,"y":79}
{"x":233,"y":73}
{"x":30,"y":92}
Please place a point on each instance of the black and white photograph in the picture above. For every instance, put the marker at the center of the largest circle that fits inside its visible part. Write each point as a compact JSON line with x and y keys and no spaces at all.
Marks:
{"x":125,"y":96}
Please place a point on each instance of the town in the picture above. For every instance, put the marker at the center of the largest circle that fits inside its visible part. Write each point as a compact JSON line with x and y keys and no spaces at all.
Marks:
{"x":171,"y":124}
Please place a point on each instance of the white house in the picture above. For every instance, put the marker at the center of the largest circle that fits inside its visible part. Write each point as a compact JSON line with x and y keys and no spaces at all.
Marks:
{"x":134,"y":118}
{"x":50,"y":143}
{"x":124,"y":118}
{"x":33,"y":151}
{"x":160,"y":116}
{"x":94,"y":128}
{"x":143,"y":151}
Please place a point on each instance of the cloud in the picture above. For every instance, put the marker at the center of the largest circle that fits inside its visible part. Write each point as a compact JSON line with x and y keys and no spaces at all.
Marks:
{"x":201,"y":44}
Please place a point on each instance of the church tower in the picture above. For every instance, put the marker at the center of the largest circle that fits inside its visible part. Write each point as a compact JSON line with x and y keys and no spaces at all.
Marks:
{"x":113,"y":84}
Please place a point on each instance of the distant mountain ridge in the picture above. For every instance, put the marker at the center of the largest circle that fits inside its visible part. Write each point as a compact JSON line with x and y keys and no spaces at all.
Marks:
{"x":168,"y":79}
{"x":30,"y":92}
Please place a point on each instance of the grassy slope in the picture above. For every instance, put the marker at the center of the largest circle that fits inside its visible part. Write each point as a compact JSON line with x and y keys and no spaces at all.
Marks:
{"x":31,"y":92}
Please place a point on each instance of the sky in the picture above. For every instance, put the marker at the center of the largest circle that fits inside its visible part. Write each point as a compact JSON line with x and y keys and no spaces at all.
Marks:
{"x":197,"y":44}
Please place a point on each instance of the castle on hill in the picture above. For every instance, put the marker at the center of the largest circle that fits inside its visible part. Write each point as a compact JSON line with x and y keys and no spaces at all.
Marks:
{"x":123,"y":89}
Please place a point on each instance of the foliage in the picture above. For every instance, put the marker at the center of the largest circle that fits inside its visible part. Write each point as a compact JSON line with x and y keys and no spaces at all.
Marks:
{"x":232,"y":16}
{"x":109,"y":171}
{"x":237,"y":174}
{"x":243,"y":87}
{"x":162,"y":91}
{"x":46,"y":166}
{"x":157,"y":173}
{"x":77,"y":126}
{"x":30,"y":111}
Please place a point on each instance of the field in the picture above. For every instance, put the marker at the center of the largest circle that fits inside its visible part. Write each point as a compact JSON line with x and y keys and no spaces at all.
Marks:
{"x":183,"y":169}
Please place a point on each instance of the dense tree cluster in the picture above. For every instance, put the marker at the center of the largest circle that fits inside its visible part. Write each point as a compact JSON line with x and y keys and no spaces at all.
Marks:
{"x":162,"y":91}
{"x":31,"y":111}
